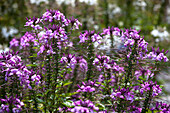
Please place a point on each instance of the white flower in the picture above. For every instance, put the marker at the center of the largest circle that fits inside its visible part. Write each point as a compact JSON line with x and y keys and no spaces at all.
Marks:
{"x":155,"y":32}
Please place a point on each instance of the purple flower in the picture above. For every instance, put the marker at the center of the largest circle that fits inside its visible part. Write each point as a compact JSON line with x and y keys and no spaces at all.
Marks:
{"x":83,"y":37}
{"x":88,"y":34}
{"x":143,"y":44}
{"x":13,"y":68}
{"x":161,"y":56}
{"x":83,"y":64}
{"x":132,"y":33}
{"x":27,"y":40}
{"x":161,"y":107}
{"x":102,"y":62}
{"x":96,"y":37}
{"x":54,"y":15}
{"x":157,"y":55}
{"x":85,"y":106}
{"x":36,"y":78}
{"x":150,"y":86}
{"x":74,"y":23}
{"x":111,"y":30}
{"x":70,"y":60}
{"x":129,"y":42}
{"x":135,"y":109}
{"x":14,"y":101}
{"x":47,"y":49}
{"x":145,"y":72}
{"x":14,"y":43}
{"x":42,"y":49}
{"x":114,"y":95}
{"x":123,"y":93}
{"x":32,"y":23}
{"x":87,"y":87}
{"x":48,"y":16}
{"x":4,"y":108}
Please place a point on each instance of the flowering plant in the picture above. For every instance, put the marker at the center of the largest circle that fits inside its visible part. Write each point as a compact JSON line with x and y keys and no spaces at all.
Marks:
{"x":52,"y":69}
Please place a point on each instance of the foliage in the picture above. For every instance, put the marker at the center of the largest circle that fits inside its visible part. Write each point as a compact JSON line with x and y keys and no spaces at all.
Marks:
{"x":48,"y":70}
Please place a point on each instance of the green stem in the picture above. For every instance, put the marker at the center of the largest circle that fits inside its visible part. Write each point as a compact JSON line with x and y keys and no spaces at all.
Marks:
{"x":74,"y":78}
{"x":85,"y":17}
{"x":112,"y":39}
{"x":106,"y":13}
{"x":90,"y":60}
{"x":49,"y":71}
{"x":56,"y":57}
{"x":31,"y":90}
{"x":35,"y":102}
{"x":147,"y":101}
{"x":56,"y":68}
{"x":3,"y":91}
{"x":128,"y":14}
{"x":130,"y":65}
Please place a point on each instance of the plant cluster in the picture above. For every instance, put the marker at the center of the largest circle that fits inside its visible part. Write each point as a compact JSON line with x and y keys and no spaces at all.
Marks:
{"x":50,"y":69}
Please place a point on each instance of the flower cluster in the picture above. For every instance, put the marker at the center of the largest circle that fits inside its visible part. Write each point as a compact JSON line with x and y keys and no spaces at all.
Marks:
{"x":32,"y":23}
{"x":123,"y":93}
{"x":87,"y":87}
{"x":11,"y":64}
{"x":74,"y":63}
{"x":14,"y":43}
{"x":84,"y":106}
{"x":49,"y":67}
{"x":131,"y":39}
{"x":111,"y":30}
{"x":163,"y":107}
{"x":13,"y":102}
{"x":53,"y":15}
{"x":27,"y":40}
{"x":105,"y":62}
{"x":157,"y":55}
{"x":36,"y":78}
{"x":44,"y":36}
{"x":74,"y":22}
{"x":86,"y":36}
{"x":143,"y":72}
{"x":150,"y":86}
{"x":70,"y":60}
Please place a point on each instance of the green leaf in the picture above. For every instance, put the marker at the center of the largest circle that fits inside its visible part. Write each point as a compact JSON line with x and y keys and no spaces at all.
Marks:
{"x":42,"y":65}
{"x":68,"y":104}
{"x":155,"y":111}
{"x":109,"y":80}
{"x":35,"y":47}
{"x":109,"y":102}
{"x":40,"y":100}
{"x":141,"y":78}
{"x":31,"y":65}
{"x":100,"y":105}
{"x":34,"y":55}
{"x":65,"y":84}
{"x":36,"y":40}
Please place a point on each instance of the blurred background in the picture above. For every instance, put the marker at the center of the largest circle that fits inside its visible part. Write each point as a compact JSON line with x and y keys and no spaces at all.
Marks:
{"x":152,"y":17}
